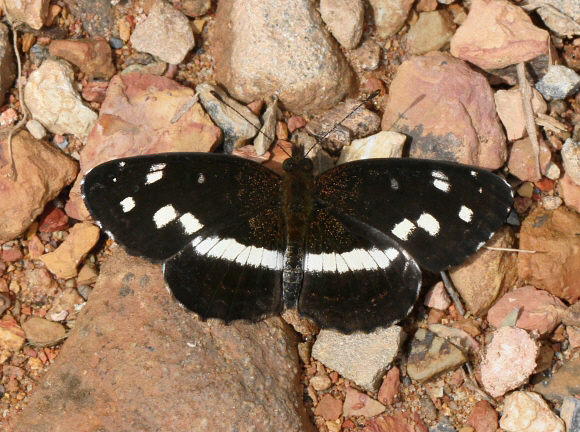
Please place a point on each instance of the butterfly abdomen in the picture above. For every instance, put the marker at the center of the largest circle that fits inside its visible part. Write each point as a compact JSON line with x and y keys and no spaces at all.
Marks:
{"x":297,"y":188}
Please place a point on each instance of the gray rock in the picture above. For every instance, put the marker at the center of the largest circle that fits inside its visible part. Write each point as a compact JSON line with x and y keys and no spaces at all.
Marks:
{"x":561,"y":384}
{"x":390,"y":15}
{"x":359,"y":357}
{"x":7,"y":63}
{"x":559,"y":82}
{"x":165,"y":33}
{"x":560,"y":16}
{"x":345,"y":19}
{"x":431,"y":356}
{"x":444,"y":425}
{"x":238,"y":124}
{"x":36,"y":129}
{"x":368,"y":55}
{"x":52,"y":99}
{"x":570,"y":413}
{"x":267,"y":134}
{"x":279,"y":47}
{"x":571,"y":159}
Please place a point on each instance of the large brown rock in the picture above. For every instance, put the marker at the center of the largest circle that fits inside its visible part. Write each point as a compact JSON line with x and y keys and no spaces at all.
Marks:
{"x":555,"y":267}
{"x":136,"y":361}
{"x":448,"y":110}
{"x":42,"y":171}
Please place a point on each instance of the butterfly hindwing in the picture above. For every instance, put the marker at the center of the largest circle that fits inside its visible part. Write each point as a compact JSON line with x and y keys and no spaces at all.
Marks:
{"x":154,"y":205}
{"x":232,"y":273}
{"x":355,"y":277}
{"x":439,"y":212}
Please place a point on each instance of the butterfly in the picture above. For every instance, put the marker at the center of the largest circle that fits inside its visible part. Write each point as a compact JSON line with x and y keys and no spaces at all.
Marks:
{"x":240,"y":242}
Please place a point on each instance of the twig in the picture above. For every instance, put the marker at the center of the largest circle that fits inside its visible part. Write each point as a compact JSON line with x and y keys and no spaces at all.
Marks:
{"x":452,"y":293}
{"x":16,"y":127}
{"x":185,"y":107}
{"x":531,"y":127}
{"x":510,"y":249}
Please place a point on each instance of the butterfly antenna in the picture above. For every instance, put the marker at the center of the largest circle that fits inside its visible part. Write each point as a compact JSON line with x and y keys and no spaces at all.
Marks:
{"x":402,"y":114}
{"x":218,"y":97}
{"x":319,"y":139}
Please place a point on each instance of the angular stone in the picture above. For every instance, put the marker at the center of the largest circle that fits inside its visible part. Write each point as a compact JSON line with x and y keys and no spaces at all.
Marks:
{"x":359,"y":404}
{"x":510,"y":109}
{"x":31,"y":12}
{"x":563,"y":383}
{"x":390,"y":15}
{"x":384,"y":144}
{"x":431,"y":32}
{"x":559,"y":83}
{"x":92,"y":56}
{"x":42,"y":332}
{"x":571,"y":159}
{"x":345,"y":19}
{"x":528,"y":412}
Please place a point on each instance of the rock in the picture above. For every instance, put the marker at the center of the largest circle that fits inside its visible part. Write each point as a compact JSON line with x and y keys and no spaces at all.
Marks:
{"x":431,"y":356}
{"x":237,"y":130}
{"x":509,"y":346}
{"x":227,"y":373}
{"x":483,"y":417}
{"x":528,"y":412}
{"x":344,"y":19}
{"x":42,"y":171}
{"x":368,"y":55}
{"x":97,"y":16}
{"x":265,"y":138}
{"x":448,"y":112}
{"x":460,"y":338}
{"x":95,"y":91}
{"x":390,"y":16}
{"x":561,"y":384}
{"x":12,"y":254}
{"x":522,"y":160}
{"x":31,"y":12}
{"x":571,"y":316}
{"x":141,"y":115}
{"x":192,"y":8}
{"x":165,"y":33}
{"x":573,"y":336}
{"x":515,"y":39}
{"x":390,"y":386}
{"x":41,"y":332}
{"x":384,"y":144}
{"x":399,"y":422}
{"x":52,"y":219}
{"x":7,"y":65}
{"x":538,"y":310}
{"x":571,"y":159}
{"x":359,"y":404}
{"x":487,"y":274}
{"x":437,"y":297}
{"x":570,"y":191}
{"x":285,"y":50}
{"x":12,"y":336}
{"x":63,"y":261}
{"x":431,"y":32}
{"x":66,"y":301}
{"x":445,"y":425}
{"x":329,"y":408}
{"x":510,"y":109}
{"x":359,"y":357}
{"x":36,"y":129}
{"x":570,"y":413}
{"x":560,"y":16}
{"x":559,"y":83}
{"x":556,"y":269}
{"x":92,"y":56}
{"x":52,"y":99}
{"x":321,"y":383}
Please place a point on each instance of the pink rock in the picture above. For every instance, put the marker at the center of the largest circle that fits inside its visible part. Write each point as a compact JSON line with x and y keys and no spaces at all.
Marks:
{"x":12,"y":254}
{"x":136,"y":118}
{"x":95,"y":91}
{"x":296,"y":122}
{"x":42,"y":171}
{"x":570,"y":192}
{"x":35,"y":247}
{"x":538,"y":309}
{"x":573,"y":336}
{"x":483,"y":417}
{"x":359,"y":404}
{"x":522,"y":163}
{"x":514,"y":38}
{"x":449,"y":111}
{"x":399,"y":422}
{"x":556,"y":269}
{"x":52,"y":219}
{"x":437,"y":297}
{"x":509,"y":360}
{"x":528,"y":412}
{"x":390,"y":386}
{"x":92,"y":56}
{"x":329,"y":408}
{"x":511,"y":110}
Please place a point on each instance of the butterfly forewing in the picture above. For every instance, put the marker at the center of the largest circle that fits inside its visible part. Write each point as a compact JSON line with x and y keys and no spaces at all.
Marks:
{"x":154,"y":205}
{"x":439,"y":212}
{"x":355,"y":277}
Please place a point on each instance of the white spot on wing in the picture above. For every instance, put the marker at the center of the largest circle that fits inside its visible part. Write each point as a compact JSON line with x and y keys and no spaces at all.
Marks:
{"x":403,"y":229}
{"x":474,"y":174}
{"x":429,"y":224}
{"x":157,"y":167}
{"x":394,"y":184}
{"x":313,"y":263}
{"x":128,"y":204}
{"x":465,"y":213}
{"x":153,"y":177}
{"x":121,"y":164}
{"x":441,"y":185}
{"x":341,"y":266}
{"x":353,"y":260}
{"x":439,"y":175}
{"x":201,"y":179}
{"x":392,"y":253}
{"x":190,"y":223}
{"x":380,"y":258}
{"x":164,"y":215}
{"x":329,"y":262}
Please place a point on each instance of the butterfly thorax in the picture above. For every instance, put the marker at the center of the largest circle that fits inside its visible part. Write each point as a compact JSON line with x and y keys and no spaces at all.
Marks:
{"x":297,"y":189}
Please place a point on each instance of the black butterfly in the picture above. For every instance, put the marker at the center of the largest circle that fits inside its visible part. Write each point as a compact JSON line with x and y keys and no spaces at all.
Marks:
{"x":241,"y":242}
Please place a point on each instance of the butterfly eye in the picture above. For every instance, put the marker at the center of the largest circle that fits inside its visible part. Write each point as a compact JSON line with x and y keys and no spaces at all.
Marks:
{"x":289,"y":165}
{"x":306,"y":165}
